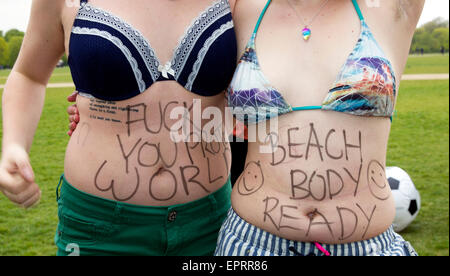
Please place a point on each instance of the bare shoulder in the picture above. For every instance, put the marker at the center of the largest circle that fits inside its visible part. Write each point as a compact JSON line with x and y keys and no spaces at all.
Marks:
{"x":249,"y":7}
{"x":246,"y":13}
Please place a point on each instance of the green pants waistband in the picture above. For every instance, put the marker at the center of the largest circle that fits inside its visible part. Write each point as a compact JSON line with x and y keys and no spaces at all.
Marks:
{"x":114,"y":211}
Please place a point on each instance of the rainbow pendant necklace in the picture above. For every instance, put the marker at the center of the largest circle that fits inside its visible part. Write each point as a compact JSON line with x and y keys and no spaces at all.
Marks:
{"x":306,"y":31}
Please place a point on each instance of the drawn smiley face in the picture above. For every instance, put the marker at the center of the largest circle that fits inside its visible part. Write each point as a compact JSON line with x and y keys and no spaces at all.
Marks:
{"x":252,"y":179}
{"x":377,"y":181}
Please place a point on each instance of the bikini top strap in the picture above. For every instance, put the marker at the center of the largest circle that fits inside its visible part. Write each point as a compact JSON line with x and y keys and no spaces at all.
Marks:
{"x":358,"y":10}
{"x":261,"y":17}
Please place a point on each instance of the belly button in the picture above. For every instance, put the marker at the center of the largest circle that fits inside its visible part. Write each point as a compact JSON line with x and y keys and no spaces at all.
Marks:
{"x":311,"y":215}
{"x":159,"y":171}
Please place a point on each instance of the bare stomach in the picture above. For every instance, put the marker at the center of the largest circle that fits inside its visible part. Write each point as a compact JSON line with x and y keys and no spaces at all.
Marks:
{"x":123,"y":151}
{"x":323,"y":182}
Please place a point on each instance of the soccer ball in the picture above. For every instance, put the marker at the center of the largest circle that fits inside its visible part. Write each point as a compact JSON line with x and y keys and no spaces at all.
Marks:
{"x":406,"y":196}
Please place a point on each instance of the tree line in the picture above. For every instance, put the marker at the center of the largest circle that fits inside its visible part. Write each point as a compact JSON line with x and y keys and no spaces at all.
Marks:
{"x":10,"y":44}
{"x":431,"y":37}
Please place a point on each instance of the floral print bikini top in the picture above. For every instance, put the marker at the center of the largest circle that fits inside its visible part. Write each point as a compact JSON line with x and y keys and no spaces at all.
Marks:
{"x":365,"y":86}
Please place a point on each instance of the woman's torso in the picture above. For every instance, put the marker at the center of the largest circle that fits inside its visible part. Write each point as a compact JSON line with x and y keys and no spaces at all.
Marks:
{"x":122,"y":150}
{"x":326,"y":181}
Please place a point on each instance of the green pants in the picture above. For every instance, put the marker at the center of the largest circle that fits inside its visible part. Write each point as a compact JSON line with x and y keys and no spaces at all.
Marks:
{"x":90,"y":225}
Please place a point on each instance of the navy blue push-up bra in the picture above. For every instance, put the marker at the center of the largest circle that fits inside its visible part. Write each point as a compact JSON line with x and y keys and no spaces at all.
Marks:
{"x":111,"y":60}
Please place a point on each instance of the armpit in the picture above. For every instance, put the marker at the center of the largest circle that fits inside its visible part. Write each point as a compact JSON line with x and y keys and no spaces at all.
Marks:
{"x":409,"y":9}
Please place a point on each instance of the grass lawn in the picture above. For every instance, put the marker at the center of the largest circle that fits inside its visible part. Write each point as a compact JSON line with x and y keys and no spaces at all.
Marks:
{"x":427,"y":64}
{"x":419,"y":143}
{"x":30,"y":232}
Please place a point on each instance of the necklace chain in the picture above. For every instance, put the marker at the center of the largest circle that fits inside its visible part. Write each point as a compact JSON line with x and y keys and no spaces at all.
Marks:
{"x":315,"y":16}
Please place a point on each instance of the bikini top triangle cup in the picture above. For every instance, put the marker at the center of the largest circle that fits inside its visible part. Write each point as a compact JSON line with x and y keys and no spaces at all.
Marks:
{"x":365,"y":86}
{"x":111,"y":60}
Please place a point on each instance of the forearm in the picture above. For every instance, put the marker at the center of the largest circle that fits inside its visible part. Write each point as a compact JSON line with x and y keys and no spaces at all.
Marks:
{"x":22,"y":104}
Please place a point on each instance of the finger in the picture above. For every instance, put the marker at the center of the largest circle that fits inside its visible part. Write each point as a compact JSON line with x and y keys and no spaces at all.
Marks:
{"x":73,"y":97}
{"x":74,"y":118}
{"x":70,"y":132}
{"x":25,"y":195}
{"x":72,"y":110}
{"x":33,"y":201}
{"x":7,"y":182}
{"x":25,"y":169}
{"x":13,"y":184}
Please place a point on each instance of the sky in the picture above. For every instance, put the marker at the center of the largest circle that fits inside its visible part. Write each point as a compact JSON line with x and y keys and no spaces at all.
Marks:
{"x":14,"y":13}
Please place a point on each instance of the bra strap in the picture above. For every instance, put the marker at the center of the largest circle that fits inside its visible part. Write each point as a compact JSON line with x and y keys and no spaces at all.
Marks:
{"x":358,"y":10}
{"x":261,"y":17}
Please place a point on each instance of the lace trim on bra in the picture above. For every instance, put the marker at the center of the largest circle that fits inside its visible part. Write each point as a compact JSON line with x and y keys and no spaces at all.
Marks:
{"x":116,"y":41}
{"x":197,"y":27}
{"x":93,"y":14}
{"x":185,"y":46}
{"x":202,"y":53}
